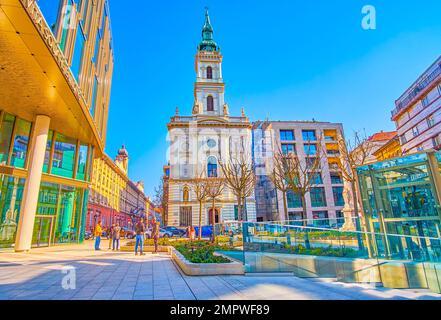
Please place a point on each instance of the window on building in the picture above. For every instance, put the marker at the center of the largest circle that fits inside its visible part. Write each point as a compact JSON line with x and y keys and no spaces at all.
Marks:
{"x":6,"y":129}
{"x":338,"y":196}
{"x":47,"y":153}
{"x":64,"y":156}
{"x":340,"y":218}
{"x":318,"y":197}
{"x":21,"y":142}
{"x":309,"y":135}
{"x":415,"y":131}
{"x":210,"y":103}
{"x":321,"y":218}
{"x":236,"y":212}
{"x":185,"y":217}
{"x":336,"y":178}
{"x":436,"y":141}
{"x":316,"y":178}
{"x":209,"y":73}
{"x":293,"y":200}
{"x":288,"y":149}
{"x":403,"y":139}
{"x":185,"y":194}
{"x":312,"y":162}
{"x":212,"y":167}
{"x":430,"y":121}
{"x":286,"y":135}
{"x":82,"y":161}
{"x":310,"y":149}
{"x":78,"y":53}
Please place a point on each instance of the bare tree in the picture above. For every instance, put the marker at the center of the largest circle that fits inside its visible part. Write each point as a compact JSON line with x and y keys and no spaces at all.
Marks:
{"x":301,"y":174}
{"x":199,"y":187}
{"x":215,"y":188}
{"x":353,"y":153}
{"x":160,"y":200}
{"x":278,"y":178}
{"x":239,"y":176}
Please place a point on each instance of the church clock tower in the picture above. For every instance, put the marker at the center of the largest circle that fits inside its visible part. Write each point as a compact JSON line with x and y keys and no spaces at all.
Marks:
{"x":198,"y":142}
{"x":209,"y":86}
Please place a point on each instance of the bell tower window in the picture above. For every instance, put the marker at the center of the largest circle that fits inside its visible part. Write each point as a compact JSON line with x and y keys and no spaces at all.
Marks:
{"x":210,"y":103}
{"x":209,"y":73}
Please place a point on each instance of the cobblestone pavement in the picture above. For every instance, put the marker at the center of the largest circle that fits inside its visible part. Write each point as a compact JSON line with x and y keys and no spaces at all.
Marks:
{"x":105,"y":275}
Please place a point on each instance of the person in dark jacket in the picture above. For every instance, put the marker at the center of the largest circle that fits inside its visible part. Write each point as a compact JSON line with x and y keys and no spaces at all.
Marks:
{"x":116,"y":235}
{"x":140,"y":231}
{"x":155,"y":235}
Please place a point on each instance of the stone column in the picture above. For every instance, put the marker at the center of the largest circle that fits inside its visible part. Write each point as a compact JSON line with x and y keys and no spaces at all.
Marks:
{"x":26,"y":221}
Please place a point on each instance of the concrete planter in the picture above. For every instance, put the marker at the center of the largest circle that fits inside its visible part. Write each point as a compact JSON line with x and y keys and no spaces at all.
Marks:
{"x":145,"y":248}
{"x":206,"y":269}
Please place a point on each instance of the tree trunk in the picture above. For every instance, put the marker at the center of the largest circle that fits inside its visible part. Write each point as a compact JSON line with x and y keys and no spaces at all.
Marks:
{"x":213,"y":219}
{"x":200,"y":221}
{"x":305,"y":221}
{"x":285,"y":206}
{"x":239,"y":208}
{"x":357,"y":218}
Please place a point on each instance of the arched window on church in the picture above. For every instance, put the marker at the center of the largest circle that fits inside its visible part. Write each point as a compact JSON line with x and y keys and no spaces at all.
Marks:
{"x":212,"y":167}
{"x":209,"y":73}
{"x":185,"y":194}
{"x":210,"y":103}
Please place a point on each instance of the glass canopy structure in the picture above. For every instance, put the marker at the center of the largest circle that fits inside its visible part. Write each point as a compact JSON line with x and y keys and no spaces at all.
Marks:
{"x":402,"y":196}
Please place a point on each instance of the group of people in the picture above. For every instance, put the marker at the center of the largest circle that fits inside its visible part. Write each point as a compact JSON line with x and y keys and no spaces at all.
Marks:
{"x":114,"y":235}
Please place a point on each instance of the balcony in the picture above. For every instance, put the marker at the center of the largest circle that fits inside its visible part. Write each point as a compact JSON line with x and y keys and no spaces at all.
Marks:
{"x":429,"y":77}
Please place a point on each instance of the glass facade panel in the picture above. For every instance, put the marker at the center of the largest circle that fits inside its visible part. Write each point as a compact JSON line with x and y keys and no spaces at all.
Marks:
{"x":286,"y":135}
{"x":10,"y":202}
{"x":82,"y":161}
{"x":336,"y":179}
{"x":78,"y":53}
{"x":309,"y":135}
{"x":318,"y":197}
{"x":48,"y":151}
{"x":67,"y":19}
{"x":60,"y":214}
{"x":64,"y":156}
{"x":338,"y":196}
{"x":21,"y":142}
{"x":293,"y":200}
{"x":310,"y":149}
{"x":316,"y":178}
{"x":288,"y":148}
{"x":6,"y":129}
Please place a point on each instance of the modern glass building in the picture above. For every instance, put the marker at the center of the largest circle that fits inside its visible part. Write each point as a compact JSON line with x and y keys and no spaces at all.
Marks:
{"x":56,"y":67}
{"x":402,"y":196}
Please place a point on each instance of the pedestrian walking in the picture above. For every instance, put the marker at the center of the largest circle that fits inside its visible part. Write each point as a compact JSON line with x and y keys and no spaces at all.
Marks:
{"x":155,"y":235}
{"x":98,"y":232}
{"x":110,"y":235}
{"x":192,"y":233}
{"x":140,"y":231}
{"x":116,"y":235}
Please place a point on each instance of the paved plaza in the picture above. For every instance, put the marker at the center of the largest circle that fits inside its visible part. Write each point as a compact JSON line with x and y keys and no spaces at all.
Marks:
{"x":105,"y":275}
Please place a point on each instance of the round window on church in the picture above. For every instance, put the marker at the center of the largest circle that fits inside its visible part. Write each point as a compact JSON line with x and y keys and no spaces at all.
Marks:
{"x":211,"y":143}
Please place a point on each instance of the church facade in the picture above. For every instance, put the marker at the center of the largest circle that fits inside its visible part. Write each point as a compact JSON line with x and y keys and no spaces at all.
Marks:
{"x":198,"y":142}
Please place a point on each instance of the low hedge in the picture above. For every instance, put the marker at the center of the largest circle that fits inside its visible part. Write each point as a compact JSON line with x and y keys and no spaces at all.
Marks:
{"x":201,"y":252}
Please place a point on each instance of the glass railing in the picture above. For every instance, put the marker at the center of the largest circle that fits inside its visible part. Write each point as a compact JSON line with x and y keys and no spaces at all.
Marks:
{"x":259,"y":239}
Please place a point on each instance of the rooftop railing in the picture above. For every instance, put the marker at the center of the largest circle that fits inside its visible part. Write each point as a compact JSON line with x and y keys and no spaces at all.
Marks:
{"x":429,"y":77}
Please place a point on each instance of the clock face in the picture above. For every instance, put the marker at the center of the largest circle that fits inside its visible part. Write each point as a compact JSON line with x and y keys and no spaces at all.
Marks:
{"x":211,"y":143}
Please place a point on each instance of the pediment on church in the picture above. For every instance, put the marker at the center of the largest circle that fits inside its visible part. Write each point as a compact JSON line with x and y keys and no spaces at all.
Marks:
{"x":212,"y":120}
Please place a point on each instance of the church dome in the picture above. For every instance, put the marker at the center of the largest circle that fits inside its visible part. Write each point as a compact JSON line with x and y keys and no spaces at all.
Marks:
{"x":207,"y":44}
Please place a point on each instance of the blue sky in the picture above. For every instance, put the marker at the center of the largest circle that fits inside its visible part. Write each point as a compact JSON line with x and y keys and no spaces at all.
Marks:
{"x":283,"y":60}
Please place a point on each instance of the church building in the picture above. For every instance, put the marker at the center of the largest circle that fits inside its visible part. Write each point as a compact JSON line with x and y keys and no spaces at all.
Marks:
{"x":200,"y":140}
